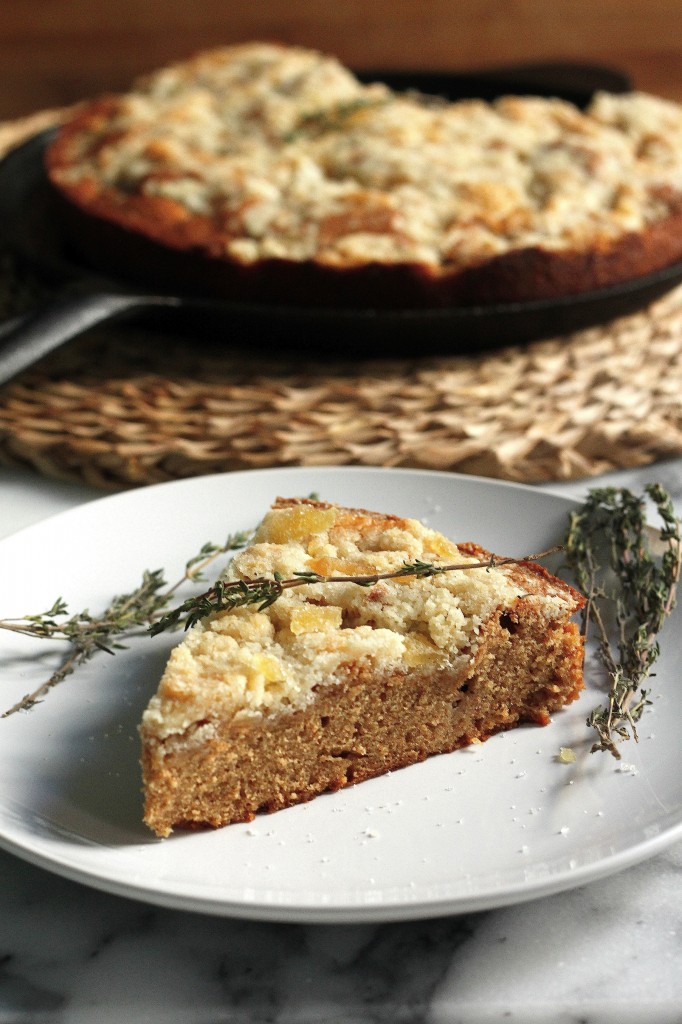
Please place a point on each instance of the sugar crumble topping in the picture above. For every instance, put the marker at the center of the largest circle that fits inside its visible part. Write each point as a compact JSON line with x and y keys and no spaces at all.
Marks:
{"x":288,"y":155}
{"x":245,"y":662}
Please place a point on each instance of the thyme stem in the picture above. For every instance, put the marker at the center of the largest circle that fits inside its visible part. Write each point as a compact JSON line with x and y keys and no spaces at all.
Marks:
{"x":125,"y":615}
{"x":263,"y":592}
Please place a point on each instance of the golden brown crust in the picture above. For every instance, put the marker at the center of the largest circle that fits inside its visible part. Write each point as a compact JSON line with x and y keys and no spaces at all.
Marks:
{"x":128,"y":244}
{"x":534,"y":577}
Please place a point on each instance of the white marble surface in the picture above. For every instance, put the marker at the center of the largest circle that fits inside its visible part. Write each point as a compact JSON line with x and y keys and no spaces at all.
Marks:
{"x":607,"y":953}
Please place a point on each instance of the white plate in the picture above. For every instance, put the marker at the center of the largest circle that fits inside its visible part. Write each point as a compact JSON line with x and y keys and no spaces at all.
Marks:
{"x":486,"y":826}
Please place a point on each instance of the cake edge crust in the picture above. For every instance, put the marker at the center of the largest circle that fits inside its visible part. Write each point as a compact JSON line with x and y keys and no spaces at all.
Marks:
{"x":129,"y":244}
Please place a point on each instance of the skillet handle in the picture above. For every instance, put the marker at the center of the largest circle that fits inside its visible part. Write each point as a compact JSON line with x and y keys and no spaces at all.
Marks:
{"x":26,"y":340}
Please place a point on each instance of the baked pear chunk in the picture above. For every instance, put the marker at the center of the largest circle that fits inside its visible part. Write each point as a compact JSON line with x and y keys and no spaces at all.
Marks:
{"x":260,"y":708}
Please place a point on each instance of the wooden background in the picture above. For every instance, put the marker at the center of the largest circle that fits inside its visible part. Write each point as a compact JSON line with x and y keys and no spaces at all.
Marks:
{"x":53,"y":52}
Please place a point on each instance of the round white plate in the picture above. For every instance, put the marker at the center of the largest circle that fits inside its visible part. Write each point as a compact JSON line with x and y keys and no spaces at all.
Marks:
{"x":486,"y":826}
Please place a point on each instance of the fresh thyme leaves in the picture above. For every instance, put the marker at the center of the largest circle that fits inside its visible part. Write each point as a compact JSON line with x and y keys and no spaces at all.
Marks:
{"x":332,"y":119}
{"x":87,"y":634}
{"x":226,"y":595}
{"x":630,"y":589}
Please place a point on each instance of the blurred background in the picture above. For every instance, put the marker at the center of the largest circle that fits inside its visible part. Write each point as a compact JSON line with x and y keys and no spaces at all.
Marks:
{"x":57,"y":51}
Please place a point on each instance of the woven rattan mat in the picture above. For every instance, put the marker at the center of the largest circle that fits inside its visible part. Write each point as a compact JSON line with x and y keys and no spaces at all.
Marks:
{"x":121,"y":406}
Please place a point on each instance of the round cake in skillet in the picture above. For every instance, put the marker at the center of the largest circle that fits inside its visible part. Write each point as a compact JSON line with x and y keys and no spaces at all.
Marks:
{"x":270,"y":173}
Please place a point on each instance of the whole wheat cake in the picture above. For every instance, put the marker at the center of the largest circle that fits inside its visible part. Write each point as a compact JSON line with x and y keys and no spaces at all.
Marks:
{"x":271,"y":173}
{"x":334,"y":683}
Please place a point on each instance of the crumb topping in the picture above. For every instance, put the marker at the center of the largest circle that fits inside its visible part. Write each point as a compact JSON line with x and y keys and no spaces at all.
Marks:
{"x":247,"y":662}
{"x":283,"y":153}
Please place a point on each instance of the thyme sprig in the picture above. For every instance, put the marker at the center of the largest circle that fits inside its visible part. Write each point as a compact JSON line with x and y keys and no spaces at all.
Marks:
{"x":226,"y":595}
{"x":126,"y":614}
{"x":630,"y":589}
{"x":332,"y":119}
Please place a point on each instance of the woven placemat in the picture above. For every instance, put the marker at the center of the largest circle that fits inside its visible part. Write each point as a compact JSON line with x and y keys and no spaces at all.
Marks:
{"x":122,"y":406}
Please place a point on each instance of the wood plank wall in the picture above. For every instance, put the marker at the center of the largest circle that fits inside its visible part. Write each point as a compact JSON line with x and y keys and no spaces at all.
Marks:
{"x":56,"y":51}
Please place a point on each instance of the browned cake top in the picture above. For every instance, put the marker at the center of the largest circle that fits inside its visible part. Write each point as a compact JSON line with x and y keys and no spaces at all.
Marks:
{"x":260,"y":151}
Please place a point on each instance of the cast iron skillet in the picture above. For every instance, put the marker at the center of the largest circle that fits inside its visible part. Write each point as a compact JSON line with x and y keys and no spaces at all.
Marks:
{"x":86,"y":298}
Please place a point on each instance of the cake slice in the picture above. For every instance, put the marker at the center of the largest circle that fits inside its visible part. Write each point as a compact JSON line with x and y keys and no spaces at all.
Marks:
{"x":334,"y":683}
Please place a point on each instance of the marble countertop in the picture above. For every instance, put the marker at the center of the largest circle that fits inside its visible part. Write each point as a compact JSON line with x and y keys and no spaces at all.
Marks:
{"x":608,"y":952}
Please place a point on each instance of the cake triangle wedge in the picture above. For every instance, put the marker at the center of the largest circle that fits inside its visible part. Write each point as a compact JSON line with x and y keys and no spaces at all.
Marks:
{"x":262,"y":707}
